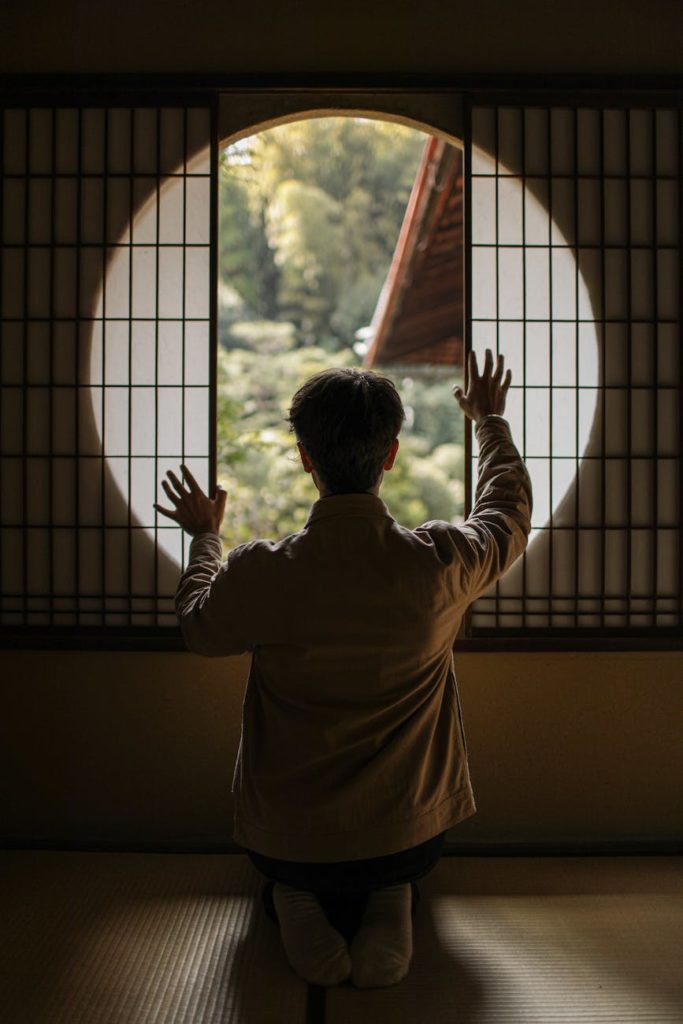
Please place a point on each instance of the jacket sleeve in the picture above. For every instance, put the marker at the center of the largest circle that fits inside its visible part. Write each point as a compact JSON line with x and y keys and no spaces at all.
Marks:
{"x":496,"y":532}
{"x":212,"y":601}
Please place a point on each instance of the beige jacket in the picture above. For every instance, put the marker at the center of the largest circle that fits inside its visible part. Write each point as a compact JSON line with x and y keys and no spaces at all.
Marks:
{"x":352,"y":740}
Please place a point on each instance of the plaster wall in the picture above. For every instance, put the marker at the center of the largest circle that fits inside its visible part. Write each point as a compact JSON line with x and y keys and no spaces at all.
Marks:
{"x":356,"y":37}
{"x":139,"y":748}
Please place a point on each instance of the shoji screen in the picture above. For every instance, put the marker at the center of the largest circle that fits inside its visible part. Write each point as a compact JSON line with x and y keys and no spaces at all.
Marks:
{"x":105,"y":371}
{"x":574,"y":217}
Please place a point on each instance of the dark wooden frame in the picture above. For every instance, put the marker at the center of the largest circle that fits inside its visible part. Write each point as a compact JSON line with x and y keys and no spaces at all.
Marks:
{"x":96,"y":90}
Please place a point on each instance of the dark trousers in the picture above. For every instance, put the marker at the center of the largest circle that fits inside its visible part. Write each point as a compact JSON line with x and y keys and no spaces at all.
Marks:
{"x":343,"y":887}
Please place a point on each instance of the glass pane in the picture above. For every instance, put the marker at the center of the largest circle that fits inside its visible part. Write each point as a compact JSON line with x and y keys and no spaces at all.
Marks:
{"x":64,"y":554}
{"x":119,"y":204}
{"x":538,"y":417}
{"x":145,"y":141}
{"x":588,"y":141}
{"x":668,"y":277}
{"x":197,"y":426}
{"x":563,"y":211}
{"x":538,"y":354}
{"x":143,"y":412}
{"x":536,"y":122}
{"x":564,"y":545}
{"x":563,"y":282}
{"x":615,"y":199}
{"x":171,"y":281}
{"x":564,"y":422}
{"x":171,"y":212}
{"x":40,"y":141}
{"x":144,"y":280}
{"x":115,"y":435}
{"x":116,"y":353}
{"x":66,"y":211}
{"x":564,"y":351}
{"x":173,"y":132}
{"x":170,"y":364}
{"x":562,"y":141}
{"x":144,"y":352}
{"x":590,"y":487}
{"x":668,"y":492}
{"x":64,"y":420}
{"x":509,"y":210}
{"x":537,"y":271}
{"x":197,"y":281}
{"x":197,"y":203}
{"x":484,"y":304}
{"x":641,"y":290}
{"x":145,"y":491}
{"x":641,"y":123}
{"x":590,"y":562}
{"x":169,"y":422}
{"x":643,"y":355}
{"x":509,"y":140}
{"x":667,"y":215}
{"x":116,"y":492}
{"x":614,"y":141}
{"x":119,"y":134}
{"x":483,"y":140}
{"x":666,"y":129}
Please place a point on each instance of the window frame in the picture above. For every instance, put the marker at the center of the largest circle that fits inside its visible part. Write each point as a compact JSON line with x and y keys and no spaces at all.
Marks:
{"x":289,"y":96}
{"x":600,"y":93}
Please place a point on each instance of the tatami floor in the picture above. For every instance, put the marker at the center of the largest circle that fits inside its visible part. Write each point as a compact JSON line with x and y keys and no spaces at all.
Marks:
{"x":139,"y":938}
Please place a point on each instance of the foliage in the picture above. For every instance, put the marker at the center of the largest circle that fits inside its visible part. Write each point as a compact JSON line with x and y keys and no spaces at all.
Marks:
{"x":310,"y":215}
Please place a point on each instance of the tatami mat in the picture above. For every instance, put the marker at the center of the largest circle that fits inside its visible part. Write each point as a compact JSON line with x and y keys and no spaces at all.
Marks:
{"x":515,"y":941}
{"x":102,"y":938}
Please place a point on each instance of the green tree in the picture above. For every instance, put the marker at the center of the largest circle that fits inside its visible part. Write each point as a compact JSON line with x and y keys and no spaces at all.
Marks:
{"x":247,"y":262}
{"x":306,"y":228}
{"x":310,"y":216}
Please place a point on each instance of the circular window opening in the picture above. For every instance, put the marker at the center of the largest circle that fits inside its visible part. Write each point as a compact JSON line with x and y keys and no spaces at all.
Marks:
{"x":322,"y":249}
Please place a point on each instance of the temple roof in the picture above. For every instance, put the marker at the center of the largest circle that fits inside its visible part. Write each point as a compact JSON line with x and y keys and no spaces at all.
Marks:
{"x":419,"y":314}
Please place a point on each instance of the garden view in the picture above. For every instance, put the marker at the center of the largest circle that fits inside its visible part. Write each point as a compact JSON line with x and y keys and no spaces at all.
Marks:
{"x":310,"y":213}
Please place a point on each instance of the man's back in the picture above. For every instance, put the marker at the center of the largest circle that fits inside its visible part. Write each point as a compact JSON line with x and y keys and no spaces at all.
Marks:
{"x":352,"y":742}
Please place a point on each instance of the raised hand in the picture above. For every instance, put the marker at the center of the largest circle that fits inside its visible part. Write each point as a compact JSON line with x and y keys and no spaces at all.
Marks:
{"x":486,"y":394}
{"x":193,"y":510}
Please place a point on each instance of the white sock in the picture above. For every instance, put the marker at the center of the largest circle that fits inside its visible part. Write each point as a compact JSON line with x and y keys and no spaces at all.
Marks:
{"x":316,"y":950}
{"x":383,"y":946}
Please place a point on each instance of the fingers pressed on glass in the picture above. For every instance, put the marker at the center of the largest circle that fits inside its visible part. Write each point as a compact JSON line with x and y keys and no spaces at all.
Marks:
{"x":177,"y":484}
{"x":169,"y":493}
{"x":194,"y":486}
{"x":499,"y":367}
{"x":166,"y":512}
{"x":473,"y":368}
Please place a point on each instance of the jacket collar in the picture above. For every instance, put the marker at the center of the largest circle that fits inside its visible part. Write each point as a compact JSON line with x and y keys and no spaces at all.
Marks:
{"x":348,"y":505}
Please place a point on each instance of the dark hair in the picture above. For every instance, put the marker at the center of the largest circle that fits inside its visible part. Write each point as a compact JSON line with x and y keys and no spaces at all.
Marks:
{"x":347,"y":420}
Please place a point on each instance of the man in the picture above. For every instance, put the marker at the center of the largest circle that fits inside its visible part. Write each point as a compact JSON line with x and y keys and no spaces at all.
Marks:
{"x":352,"y":762}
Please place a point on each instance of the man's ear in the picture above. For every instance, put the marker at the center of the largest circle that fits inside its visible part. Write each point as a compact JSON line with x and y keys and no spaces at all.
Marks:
{"x":392,"y":454}
{"x":305,"y":460}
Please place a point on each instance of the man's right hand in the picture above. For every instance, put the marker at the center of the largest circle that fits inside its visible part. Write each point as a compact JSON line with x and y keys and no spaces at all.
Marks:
{"x":486,"y":393}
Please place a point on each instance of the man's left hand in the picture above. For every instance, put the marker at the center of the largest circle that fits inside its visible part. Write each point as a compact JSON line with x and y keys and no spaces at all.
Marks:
{"x":193,"y":510}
